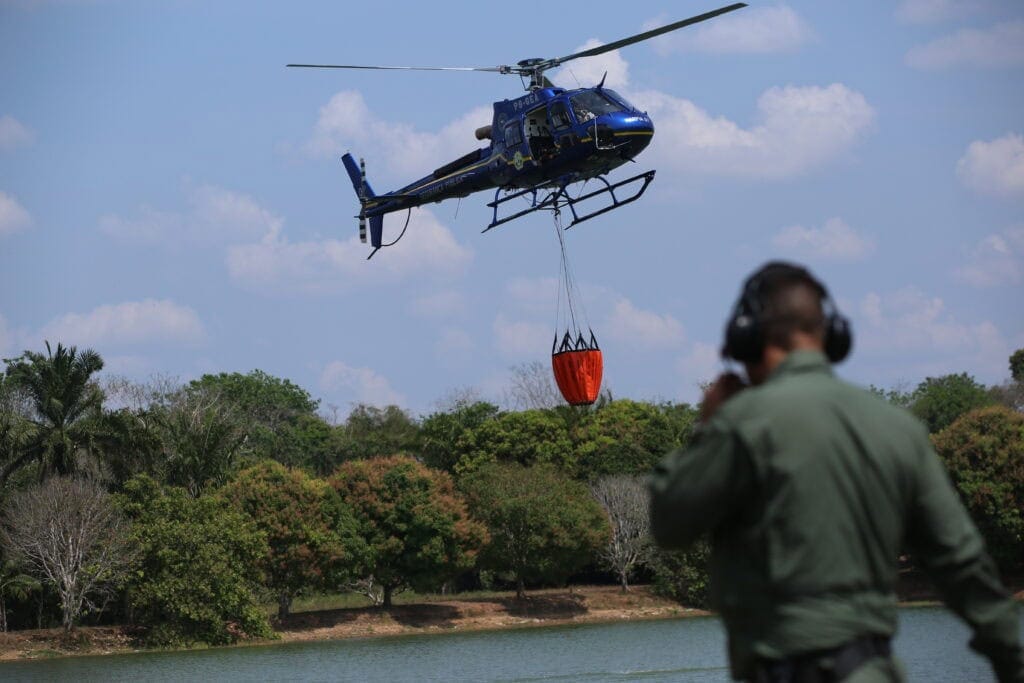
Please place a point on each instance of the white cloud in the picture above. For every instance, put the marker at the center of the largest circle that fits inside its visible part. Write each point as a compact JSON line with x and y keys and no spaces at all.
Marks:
{"x":346,"y":123}
{"x":359,"y":385}
{"x":534,"y":295}
{"x":127,"y":365}
{"x":932,"y":11}
{"x":442,"y":304}
{"x":997,"y":259}
{"x":214,"y":216}
{"x":919,"y":333}
{"x":643,"y":329}
{"x":14,"y":134}
{"x":13,"y":216}
{"x":801,"y":128}
{"x":999,"y":46}
{"x":330,"y":265}
{"x":6,"y":339}
{"x":453,"y":341}
{"x":701,"y":364}
{"x":752,"y":30}
{"x":522,"y":338}
{"x":995,"y":167}
{"x":835,"y":240}
{"x":133,"y":322}
{"x":798,"y":127}
{"x":909,"y":334}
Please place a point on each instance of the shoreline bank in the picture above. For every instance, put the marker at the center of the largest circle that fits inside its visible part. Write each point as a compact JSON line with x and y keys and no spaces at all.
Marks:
{"x":551,"y":607}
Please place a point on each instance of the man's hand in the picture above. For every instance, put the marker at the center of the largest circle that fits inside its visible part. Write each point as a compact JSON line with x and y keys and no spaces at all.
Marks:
{"x":723,"y":388}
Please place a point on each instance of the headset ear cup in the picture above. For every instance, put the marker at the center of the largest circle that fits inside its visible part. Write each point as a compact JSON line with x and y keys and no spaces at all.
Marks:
{"x":743,"y":339}
{"x":838,"y":338}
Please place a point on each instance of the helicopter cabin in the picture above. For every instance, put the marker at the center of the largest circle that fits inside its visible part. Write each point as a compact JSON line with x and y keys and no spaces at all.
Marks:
{"x":549,"y":118}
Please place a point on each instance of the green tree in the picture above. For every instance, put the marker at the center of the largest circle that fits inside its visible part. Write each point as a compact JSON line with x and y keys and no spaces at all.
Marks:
{"x":682,"y":575}
{"x":415,"y":524}
{"x":527,"y":437}
{"x":203,"y":438}
{"x":312,"y":537}
{"x":544,"y":526}
{"x":268,"y":408}
{"x":626,"y":437}
{"x":317,"y":445}
{"x":1017,"y":365}
{"x":130,"y":443}
{"x":448,"y":435}
{"x":16,"y":584}
{"x":682,"y":420}
{"x":16,"y":430}
{"x":898,"y":395}
{"x":938,"y":401}
{"x":63,"y":404}
{"x":984,"y":452}
{"x":371,"y":432}
{"x":199,"y":577}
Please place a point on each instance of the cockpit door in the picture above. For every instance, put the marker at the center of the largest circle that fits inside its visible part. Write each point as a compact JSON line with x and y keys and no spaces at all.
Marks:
{"x":515,"y":146}
{"x":561,"y":123}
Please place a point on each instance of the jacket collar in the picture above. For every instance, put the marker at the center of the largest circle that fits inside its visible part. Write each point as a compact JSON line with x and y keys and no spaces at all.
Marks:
{"x":799,"y":362}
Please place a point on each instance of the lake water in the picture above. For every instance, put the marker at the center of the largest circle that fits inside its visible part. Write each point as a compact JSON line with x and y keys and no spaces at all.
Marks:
{"x":931,"y":643}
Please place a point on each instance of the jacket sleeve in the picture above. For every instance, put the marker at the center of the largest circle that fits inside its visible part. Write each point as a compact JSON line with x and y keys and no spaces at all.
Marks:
{"x":946,"y":541}
{"x":694,"y":489}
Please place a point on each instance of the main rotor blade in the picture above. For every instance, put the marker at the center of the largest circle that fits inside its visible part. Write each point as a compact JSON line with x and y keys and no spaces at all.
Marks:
{"x":601,"y":49}
{"x":499,"y":69}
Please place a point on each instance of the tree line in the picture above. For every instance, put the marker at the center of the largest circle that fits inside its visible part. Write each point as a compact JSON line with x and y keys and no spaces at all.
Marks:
{"x":184,"y":508}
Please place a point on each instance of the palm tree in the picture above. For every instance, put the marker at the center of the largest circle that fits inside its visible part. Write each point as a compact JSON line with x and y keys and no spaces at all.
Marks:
{"x":62,"y":404}
{"x":15,"y":584}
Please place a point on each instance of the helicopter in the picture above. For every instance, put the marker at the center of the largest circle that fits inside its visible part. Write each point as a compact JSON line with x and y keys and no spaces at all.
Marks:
{"x":542,"y":142}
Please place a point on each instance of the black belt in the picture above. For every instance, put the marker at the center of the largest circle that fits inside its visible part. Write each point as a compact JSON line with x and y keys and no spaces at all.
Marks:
{"x":822,"y":666}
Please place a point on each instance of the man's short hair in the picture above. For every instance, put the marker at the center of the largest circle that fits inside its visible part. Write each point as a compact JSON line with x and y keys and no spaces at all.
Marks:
{"x":791,"y":301}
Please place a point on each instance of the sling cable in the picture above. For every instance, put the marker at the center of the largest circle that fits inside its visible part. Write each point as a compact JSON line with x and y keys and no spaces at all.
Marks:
{"x":576,"y":360}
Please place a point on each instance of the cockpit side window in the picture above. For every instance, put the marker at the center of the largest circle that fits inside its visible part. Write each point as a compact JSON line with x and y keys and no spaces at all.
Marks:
{"x":513,"y":135}
{"x":559,"y":115}
{"x":589,"y":104}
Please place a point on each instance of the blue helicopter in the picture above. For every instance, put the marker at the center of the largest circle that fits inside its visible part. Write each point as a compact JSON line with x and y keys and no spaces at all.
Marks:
{"x":542,"y":142}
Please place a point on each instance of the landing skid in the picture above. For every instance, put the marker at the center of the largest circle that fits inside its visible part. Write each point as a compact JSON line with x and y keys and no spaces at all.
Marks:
{"x":557,"y":199}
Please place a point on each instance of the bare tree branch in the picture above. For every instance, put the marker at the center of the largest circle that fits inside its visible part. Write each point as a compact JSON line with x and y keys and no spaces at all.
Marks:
{"x":625,"y":500}
{"x":68,"y":533}
{"x":531,"y":387}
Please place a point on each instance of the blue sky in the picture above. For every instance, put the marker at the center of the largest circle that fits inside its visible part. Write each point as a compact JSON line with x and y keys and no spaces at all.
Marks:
{"x":171,"y":195}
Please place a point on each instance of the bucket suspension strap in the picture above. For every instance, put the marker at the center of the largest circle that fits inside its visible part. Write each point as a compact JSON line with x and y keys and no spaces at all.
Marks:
{"x":575,"y":311}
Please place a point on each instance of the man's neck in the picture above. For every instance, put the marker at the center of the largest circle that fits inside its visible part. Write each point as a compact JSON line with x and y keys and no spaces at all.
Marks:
{"x":774,"y":355}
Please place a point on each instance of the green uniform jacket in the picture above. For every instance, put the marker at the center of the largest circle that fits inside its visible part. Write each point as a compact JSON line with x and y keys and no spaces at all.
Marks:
{"x":811,"y":488}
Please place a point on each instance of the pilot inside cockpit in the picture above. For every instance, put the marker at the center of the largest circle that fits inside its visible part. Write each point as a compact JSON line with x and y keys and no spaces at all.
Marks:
{"x":589,"y":104}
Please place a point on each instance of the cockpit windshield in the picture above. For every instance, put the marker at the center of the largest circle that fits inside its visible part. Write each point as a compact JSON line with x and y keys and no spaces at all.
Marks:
{"x":589,"y":104}
{"x":617,"y":97}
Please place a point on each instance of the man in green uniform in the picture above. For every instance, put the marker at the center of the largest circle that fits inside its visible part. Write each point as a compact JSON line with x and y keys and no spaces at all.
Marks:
{"x":810,"y":489}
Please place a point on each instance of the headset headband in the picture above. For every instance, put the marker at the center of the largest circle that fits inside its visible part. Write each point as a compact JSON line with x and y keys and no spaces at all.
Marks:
{"x":744,"y":333}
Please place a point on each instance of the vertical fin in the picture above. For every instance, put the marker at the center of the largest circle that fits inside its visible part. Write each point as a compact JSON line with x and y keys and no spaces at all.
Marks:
{"x":376,"y":230}
{"x":357,"y":174}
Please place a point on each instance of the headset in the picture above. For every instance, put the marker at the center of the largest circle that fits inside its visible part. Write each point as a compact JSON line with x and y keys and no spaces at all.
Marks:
{"x":744,"y":333}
